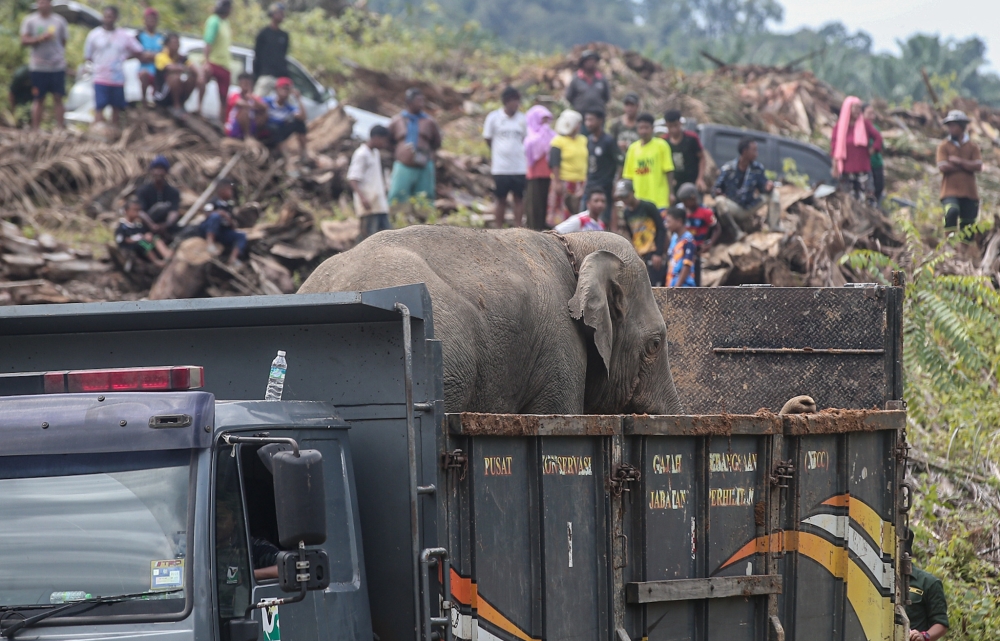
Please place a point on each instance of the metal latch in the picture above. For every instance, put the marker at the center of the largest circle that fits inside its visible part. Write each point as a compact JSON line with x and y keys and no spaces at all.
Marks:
{"x":456,"y":461}
{"x":170,"y":420}
{"x":782,"y":473}
{"x":621,"y":476}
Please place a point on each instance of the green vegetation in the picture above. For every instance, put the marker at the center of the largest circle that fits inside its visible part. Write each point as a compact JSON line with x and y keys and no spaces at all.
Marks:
{"x":952,"y":364}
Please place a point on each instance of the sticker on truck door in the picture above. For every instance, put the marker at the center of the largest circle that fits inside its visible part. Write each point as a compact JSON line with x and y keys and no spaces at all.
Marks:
{"x":269,"y":621}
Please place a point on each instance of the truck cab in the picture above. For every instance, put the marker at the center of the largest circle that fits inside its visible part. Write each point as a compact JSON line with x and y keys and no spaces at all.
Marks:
{"x":128,"y":512}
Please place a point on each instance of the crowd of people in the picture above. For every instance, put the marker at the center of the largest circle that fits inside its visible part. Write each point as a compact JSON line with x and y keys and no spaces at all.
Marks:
{"x":638,"y":175}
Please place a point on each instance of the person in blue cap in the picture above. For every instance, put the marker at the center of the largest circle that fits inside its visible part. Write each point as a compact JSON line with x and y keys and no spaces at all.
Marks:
{"x":159,"y":201}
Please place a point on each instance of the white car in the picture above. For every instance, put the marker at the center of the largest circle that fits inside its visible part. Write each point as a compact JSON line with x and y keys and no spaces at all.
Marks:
{"x":316,"y":98}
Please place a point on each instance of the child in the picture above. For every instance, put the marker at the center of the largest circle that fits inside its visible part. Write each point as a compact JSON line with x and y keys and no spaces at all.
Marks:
{"x":152,"y":42}
{"x":247,"y":112}
{"x":368,"y":184}
{"x":132,"y":235}
{"x":219,"y":227}
{"x":700,"y":222}
{"x":682,"y":253}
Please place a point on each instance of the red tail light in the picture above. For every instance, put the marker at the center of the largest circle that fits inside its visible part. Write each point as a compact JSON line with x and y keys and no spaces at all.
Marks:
{"x":138,"y":379}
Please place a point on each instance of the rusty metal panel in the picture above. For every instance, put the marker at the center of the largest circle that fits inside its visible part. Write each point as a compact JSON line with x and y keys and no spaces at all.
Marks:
{"x":504,"y":583}
{"x":705,"y":425}
{"x":473,"y":424}
{"x":843,"y":421}
{"x":669,"y":513}
{"x":852,"y":360}
{"x":574,"y":538}
{"x":735,"y":505}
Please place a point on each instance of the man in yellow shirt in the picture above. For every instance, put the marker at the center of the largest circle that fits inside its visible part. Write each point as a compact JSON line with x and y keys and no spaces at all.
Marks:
{"x":649,"y":164}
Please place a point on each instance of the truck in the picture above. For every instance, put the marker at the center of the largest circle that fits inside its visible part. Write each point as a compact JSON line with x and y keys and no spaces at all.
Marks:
{"x":146,"y":493}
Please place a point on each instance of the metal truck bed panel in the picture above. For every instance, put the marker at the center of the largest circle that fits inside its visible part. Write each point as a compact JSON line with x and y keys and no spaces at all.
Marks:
{"x":693,"y":527}
{"x":740,"y":349}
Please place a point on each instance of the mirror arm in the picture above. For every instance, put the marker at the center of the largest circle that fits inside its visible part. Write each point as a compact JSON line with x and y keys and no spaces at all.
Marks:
{"x":233,"y":440}
{"x":285,"y":601}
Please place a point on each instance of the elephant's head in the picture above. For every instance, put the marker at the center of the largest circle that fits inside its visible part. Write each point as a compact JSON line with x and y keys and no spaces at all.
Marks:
{"x":628,"y":370}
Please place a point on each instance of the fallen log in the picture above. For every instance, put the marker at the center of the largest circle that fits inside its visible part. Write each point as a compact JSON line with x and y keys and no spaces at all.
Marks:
{"x":185,"y":274}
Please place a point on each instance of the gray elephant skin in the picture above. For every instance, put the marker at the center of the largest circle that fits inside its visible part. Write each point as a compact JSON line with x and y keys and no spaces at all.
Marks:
{"x":521,"y":332}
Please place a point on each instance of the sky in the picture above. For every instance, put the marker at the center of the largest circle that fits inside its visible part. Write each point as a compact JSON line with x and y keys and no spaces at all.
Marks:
{"x":889,"y":20}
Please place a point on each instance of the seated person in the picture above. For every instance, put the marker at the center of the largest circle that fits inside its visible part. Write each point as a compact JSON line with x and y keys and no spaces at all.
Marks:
{"x":160,"y":202}
{"x":175,"y":79}
{"x":247,"y":112}
{"x":264,"y":555}
{"x":285,"y":118}
{"x":220,"y":228}
{"x":738,"y":190}
{"x":590,"y":218}
{"x":133,"y":235}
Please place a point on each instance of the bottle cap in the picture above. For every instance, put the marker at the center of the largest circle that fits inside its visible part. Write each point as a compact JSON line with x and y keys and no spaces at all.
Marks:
{"x":281,"y":352}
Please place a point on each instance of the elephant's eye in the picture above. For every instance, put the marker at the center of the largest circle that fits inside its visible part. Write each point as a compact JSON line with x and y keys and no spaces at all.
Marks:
{"x":653,"y":346}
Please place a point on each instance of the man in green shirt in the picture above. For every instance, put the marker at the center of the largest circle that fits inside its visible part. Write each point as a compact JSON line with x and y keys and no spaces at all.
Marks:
{"x":928,"y":609}
{"x":878,"y":164}
{"x":218,"y":38}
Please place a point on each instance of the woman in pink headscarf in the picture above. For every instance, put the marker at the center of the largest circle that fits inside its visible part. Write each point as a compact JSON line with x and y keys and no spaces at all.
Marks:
{"x":852,"y":163}
{"x":536,"y":149}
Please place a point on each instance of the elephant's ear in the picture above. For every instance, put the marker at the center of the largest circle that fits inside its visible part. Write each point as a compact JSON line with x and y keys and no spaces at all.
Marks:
{"x":598,"y":299}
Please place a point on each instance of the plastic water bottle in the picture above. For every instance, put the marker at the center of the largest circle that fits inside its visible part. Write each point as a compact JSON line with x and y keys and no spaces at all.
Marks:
{"x":276,"y":381}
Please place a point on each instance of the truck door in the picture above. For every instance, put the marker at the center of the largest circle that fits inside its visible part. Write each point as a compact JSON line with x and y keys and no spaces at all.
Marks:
{"x":339,"y":612}
{"x":246,"y":549}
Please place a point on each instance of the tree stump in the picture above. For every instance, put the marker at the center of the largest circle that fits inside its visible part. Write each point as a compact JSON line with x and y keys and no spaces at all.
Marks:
{"x":185,"y":274}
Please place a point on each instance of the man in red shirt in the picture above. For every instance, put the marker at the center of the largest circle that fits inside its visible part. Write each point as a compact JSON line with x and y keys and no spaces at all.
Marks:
{"x":700,"y":222}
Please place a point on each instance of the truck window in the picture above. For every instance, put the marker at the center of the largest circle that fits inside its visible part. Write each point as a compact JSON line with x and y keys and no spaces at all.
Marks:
{"x":76,"y":525}
{"x":262,"y":521}
{"x":231,"y":556}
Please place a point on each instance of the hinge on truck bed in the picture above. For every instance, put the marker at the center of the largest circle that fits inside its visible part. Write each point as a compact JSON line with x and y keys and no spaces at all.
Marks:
{"x":781,"y":473}
{"x":621,"y":476}
{"x":455,"y":461}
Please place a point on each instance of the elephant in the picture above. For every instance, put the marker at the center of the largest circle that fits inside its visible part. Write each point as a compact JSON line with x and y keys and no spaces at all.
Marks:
{"x":530,"y":322}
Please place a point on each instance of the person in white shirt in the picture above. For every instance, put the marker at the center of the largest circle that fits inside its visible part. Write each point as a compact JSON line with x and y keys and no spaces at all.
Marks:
{"x":368,"y":183}
{"x":504,"y":131}
{"x":590,"y":218}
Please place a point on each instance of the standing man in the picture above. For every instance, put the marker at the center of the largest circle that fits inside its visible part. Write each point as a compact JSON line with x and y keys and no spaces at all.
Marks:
{"x":160,"y":202}
{"x":504,"y":132}
{"x":588,"y":91}
{"x":107,"y":47}
{"x":624,"y":128}
{"x":738,"y":188}
{"x":46,"y":33}
{"x":416,"y":137}
{"x":688,"y":155}
{"x":218,"y":38}
{"x":649,"y":235}
{"x":649,"y":165}
{"x":152,"y":42}
{"x":368,"y":183}
{"x":270,"y":59}
{"x":682,"y":253}
{"x":959,"y":161}
{"x":602,"y":163}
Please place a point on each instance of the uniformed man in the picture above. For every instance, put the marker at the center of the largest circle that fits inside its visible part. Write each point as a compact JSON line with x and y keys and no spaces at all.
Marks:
{"x":928,"y":609}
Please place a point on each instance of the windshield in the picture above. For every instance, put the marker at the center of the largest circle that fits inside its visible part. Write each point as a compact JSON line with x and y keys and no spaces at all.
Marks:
{"x":77,"y":526}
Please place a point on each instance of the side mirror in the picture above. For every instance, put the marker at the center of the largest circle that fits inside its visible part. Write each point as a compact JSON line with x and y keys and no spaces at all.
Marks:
{"x":299,"y":497}
{"x":244,"y":629}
